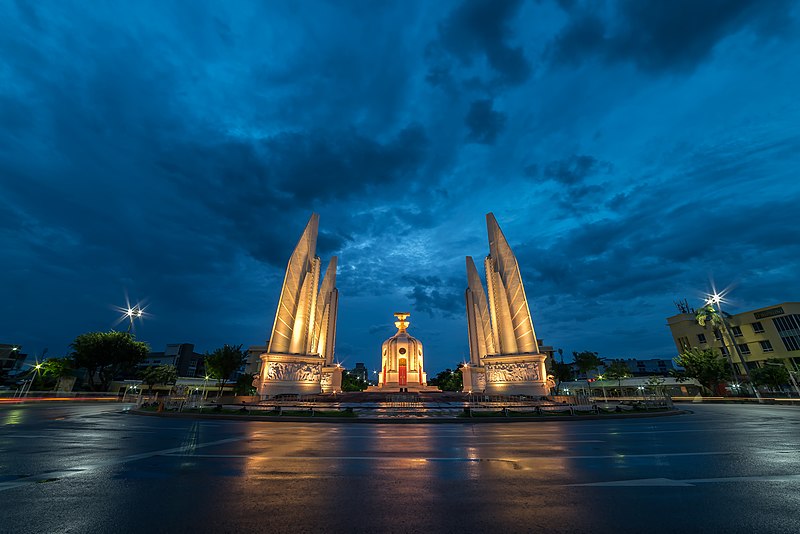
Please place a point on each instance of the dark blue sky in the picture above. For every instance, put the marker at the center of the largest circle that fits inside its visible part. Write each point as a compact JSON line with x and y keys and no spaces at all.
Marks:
{"x":631,"y":151}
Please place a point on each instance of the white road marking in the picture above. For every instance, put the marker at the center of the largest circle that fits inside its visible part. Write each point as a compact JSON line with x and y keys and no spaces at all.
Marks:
{"x":692,"y":481}
{"x":43,"y":477}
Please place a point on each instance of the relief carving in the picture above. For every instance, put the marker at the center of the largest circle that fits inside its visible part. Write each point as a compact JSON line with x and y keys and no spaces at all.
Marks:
{"x":293,"y":372}
{"x":326,"y":381}
{"x":513,"y":372}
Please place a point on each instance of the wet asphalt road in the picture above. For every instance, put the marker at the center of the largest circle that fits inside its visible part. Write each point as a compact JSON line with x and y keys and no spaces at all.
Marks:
{"x":93,"y":468}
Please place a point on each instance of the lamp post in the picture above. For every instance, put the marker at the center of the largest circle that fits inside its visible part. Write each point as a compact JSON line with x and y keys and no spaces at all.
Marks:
{"x":716,"y":298}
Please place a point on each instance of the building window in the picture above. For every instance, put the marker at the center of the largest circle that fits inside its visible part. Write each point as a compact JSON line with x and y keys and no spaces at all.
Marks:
{"x":717,"y":335}
{"x":744,"y":348}
{"x":701,"y":338}
{"x":789,"y":329}
{"x":757,"y":328}
{"x":683,"y":343}
{"x":724,"y":350}
{"x":766,"y":346}
{"x":737,"y":331}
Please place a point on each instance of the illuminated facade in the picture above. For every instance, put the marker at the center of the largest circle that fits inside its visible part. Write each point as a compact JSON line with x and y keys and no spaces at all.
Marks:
{"x":505,"y":358}
{"x":299,"y":357}
{"x":402,"y":361}
{"x":761,"y":334}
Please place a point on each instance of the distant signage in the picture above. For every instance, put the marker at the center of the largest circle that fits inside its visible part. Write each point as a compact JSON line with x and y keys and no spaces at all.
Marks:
{"x":772,"y":312}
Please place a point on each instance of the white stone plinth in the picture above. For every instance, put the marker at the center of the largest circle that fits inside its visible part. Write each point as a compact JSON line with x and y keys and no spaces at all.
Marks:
{"x":290,"y":374}
{"x":517,"y":374}
{"x":331,"y":381}
{"x":474,"y":378}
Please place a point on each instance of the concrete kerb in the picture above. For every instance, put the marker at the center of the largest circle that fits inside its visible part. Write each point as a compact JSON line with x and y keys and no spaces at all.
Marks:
{"x":410,"y":420}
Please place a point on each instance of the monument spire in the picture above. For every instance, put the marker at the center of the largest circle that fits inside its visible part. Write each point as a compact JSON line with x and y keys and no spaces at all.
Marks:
{"x":299,"y":357}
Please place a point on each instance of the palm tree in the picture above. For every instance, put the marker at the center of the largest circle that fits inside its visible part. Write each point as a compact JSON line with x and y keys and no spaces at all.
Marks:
{"x":718,"y":320}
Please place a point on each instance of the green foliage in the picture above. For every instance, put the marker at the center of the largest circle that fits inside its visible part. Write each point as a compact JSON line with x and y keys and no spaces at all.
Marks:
{"x":708,"y":316}
{"x":705,"y":365}
{"x":562,"y":372}
{"x":449,"y":380}
{"x":57,"y":367}
{"x":351,"y":382}
{"x":656,"y":383}
{"x":161,"y":374}
{"x":587,"y":361}
{"x":617,"y":371}
{"x":244,"y":384}
{"x":106,"y":354}
{"x":774,"y":375}
{"x":223,"y":362}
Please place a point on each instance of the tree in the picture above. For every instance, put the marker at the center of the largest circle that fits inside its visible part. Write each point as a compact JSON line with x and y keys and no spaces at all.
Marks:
{"x":774,"y":374}
{"x":244,"y":384}
{"x":617,"y":371}
{"x":223,"y":362}
{"x":705,"y":365}
{"x":161,"y":374}
{"x":351,"y":382}
{"x":587,"y":361}
{"x":449,"y":380}
{"x":57,"y":368}
{"x":562,"y":372}
{"x":655,"y":383}
{"x":718,"y":320}
{"x":106,"y":354}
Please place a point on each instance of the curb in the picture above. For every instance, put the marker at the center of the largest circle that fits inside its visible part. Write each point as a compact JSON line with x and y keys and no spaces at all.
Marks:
{"x":376,"y":420}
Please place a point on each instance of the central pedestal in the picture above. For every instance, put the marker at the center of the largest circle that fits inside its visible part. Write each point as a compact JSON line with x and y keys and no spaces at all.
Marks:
{"x":291,"y":374}
{"x":517,"y":374}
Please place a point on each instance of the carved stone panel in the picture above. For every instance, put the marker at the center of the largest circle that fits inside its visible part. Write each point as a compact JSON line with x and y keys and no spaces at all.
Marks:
{"x":513,"y":372}
{"x":294,"y":371}
{"x":480,"y":378}
{"x":326,"y":381}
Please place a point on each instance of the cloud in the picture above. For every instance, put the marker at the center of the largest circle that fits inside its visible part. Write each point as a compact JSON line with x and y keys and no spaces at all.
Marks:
{"x":484,"y":123}
{"x":436,"y":295}
{"x":575,"y":169}
{"x":676,"y":35}
{"x":481,"y":28}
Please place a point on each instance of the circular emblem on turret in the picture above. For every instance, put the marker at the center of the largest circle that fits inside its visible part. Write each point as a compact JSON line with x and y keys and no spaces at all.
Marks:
{"x":402,"y":351}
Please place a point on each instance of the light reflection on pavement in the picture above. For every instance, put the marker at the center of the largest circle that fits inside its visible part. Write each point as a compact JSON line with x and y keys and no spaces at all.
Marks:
{"x":93,"y":468}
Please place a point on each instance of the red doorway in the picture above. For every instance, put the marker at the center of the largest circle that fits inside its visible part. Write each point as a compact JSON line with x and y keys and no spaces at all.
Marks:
{"x":402,"y":376}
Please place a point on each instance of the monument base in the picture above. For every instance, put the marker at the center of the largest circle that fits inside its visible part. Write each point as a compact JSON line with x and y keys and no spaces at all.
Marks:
{"x":516,"y":374}
{"x":474,"y":378}
{"x":331,"y":380}
{"x":290,"y":374}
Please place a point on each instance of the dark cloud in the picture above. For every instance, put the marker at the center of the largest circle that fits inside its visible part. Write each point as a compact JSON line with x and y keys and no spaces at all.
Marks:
{"x":484,"y":123}
{"x":436,"y":295}
{"x":177,"y":154}
{"x":482,"y":28}
{"x":575,"y":169}
{"x":663,"y":35}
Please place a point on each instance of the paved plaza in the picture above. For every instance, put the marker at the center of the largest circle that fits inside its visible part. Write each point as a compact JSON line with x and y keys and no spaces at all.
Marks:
{"x":95,"y":468}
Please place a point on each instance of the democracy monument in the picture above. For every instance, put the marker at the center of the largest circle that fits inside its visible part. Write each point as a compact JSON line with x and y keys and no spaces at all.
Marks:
{"x":504,"y":351}
{"x":299,"y":357}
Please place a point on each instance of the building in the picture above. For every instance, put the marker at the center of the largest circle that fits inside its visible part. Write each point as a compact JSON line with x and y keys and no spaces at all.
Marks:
{"x":11,"y":358}
{"x":187,"y":362}
{"x":649,"y":367}
{"x":761,"y":334}
{"x":360,"y":371}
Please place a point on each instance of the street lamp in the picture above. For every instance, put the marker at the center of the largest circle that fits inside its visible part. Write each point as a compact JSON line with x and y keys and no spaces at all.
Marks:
{"x":718,"y":298}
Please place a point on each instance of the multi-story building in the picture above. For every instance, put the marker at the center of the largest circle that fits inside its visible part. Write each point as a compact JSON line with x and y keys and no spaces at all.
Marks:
{"x":770,"y":332}
{"x":182,"y":355}
{"x":360,"y":371}
{"x":11,"y":358}
{"x":649,"y":367}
